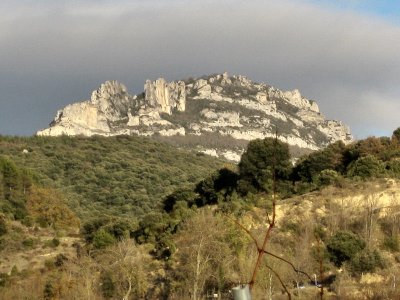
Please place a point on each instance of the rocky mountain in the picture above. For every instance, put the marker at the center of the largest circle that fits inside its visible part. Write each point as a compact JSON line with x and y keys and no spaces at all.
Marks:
{"x":216,"y":114}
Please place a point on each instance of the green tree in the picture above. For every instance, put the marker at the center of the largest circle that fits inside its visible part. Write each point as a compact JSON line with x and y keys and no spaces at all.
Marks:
{"x":365,"y":167}
{"x":330,"y":158}
{"x":185,"y":194}
{"x":10,"y":174}
{"x":262,"y":162}
{"x":156,"y":228}
{"x":396,"y":136}
{"x":216,"y":187}
{"x":343,"y":246}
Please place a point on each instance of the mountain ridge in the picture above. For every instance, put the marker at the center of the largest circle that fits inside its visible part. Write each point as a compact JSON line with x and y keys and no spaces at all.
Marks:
{"x":217,"y":105}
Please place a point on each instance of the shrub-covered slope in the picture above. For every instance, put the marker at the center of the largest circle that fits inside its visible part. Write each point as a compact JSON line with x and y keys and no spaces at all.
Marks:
{"x":119,"y":176}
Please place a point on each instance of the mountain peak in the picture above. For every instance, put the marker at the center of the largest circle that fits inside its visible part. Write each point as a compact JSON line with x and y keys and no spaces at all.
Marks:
{"x":219,"y":111}
{"x":107,"y":90}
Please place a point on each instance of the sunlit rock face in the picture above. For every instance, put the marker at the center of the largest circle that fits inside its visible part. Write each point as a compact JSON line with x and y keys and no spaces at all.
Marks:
{"x":216,"y":114}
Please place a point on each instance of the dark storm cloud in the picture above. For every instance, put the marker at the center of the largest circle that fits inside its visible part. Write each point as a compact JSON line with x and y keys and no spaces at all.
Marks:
{"x":54,"y":54}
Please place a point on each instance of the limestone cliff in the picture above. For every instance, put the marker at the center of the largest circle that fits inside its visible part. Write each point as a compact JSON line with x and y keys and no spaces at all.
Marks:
{"x":217,"y":114}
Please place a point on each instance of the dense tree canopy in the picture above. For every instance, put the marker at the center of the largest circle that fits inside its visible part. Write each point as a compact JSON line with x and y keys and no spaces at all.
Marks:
{"x":263,"y":162}
{"x":330,"y":158}
{"x":396,"y":135}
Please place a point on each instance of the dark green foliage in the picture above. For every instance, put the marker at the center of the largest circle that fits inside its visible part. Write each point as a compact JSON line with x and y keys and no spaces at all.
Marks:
{"x":184,"y":194}
{"x":396,"y":136}
{"x":3,"y":226}
{"x":28,"y":243}
{"x":55,"y":242}
{"x":366,"y":167}
{"x":48,"y":292}
{"x":292,"y":227}
{"x":103,"y":239}
{"x":327,"y":177}
{"x":102,"y":232}
{"x":9,"y":175}
{"x":152,"y":227}
{"x":91,"y":227}
{"x":393,"y":168}
{"x":157,"y":228}
{"x":3,"y":279}
{"x":15,"y":183}
{"x":120,"y":229}
{"x":366,"y":261}
{"x":263,"y":161}
{"x":343,"y":246}
{"x":60,"y":259}
{"x":107,"y":285}
{"x":371,"y":157}
{"x":330,"y":158}
{"x":391,"y":243}
{"x":216,"y":188}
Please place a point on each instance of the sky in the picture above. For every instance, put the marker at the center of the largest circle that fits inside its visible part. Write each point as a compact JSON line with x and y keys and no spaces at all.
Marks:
{"x":344,"y":54}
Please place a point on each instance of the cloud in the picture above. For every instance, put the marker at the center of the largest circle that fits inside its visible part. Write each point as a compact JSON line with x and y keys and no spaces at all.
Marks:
{"x":57,"y":52}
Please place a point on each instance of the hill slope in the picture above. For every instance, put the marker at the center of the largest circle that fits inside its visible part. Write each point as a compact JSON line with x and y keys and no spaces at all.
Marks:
{"x":108,"y":176}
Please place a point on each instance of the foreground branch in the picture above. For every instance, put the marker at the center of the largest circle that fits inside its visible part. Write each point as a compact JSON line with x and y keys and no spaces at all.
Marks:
{"x":291,"y":264}
{"x":280,"y":280}
{"x":247,"y":231}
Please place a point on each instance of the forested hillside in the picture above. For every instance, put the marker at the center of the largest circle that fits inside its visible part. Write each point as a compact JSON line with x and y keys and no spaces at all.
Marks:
{"x":130,"y":218}
{"x":116,"y":176}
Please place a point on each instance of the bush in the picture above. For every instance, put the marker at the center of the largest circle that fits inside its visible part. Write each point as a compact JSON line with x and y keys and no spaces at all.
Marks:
{"x":3,"y":279}
{"x":366,"y":262}
{"x":55,"y":242}
{"x":102,"y":239}
{"x":3,"y":227}
{"x":391,"y":243}
{"x":343,"y":246}
{"x":216,"y":188}
{"x":366,"y":167}
{"x":60,"y":260}
{"x":107,"y":285}
{"x":48,"y":291}
{"x":327,"y":177}
{"x":393,"y":167}
{"x":28,"y":243}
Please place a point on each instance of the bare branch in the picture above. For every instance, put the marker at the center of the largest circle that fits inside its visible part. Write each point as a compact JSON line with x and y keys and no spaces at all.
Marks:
{"x":280,"y":280}
{"x":246,"y":230}
{"x":261,"y":250}
{"x":268,"y":219}
{"x":291,"y":264}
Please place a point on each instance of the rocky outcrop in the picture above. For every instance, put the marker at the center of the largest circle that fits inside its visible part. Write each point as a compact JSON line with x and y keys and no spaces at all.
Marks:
{"x":109,"y":103}
{"x":222,"y":112}
{"x":165,"y":97}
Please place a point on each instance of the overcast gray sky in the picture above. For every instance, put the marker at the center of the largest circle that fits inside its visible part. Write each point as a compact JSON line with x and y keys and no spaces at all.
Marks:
{"x":346,"y":57}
